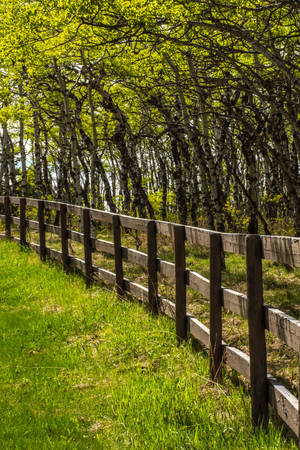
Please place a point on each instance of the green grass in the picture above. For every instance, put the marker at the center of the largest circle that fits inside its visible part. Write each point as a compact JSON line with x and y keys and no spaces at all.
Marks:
{"x":82,"y":369}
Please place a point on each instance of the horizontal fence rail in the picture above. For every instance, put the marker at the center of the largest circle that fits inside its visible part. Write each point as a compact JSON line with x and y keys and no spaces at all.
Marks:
{"x":285,"y":250}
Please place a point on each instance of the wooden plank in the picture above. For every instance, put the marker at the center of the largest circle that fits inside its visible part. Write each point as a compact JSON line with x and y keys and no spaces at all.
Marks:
{"x":152,"y":267}
{"x":198,"y":236}
{"x":136,"y":290}
{"x":76,"y":236}
{"x":180,"y":282}
{"x":49,"y":228}
{"x":14,"y":200}
{"x":77,"y":263}
{"x":2,"y":199}
{"x":167,"y":307}
{"x":32,"y":224}
{"x":134,"y":223}
{"x":284,"y":250}
{"x":76,"y":210}
{"x":87,"y":246}
{"x":32,"y":202}
{"x":64,"y":237}
{"x":42,"y":234}
{"x":101,"y":216}
{"x":283,"y":326}
{"x":198,"y":330}
{"x":165,"y":228}
{"x":104,"y":275}
{"x":54,"y":254}
{"x":118,"y":255}
{"x":23,"y":221}
{"x":215,"y":314}
{"x":134,"y":256}
{"x":166,"y":268}
{"x":284,"y":403}
{"x":15,"y":220}
{"x":198,"y":283}
{"x":237,"y":360}
{"x":257,"y":341}
{"x":52,"y":206}
{"x":7,"y":214}
{"x":2,"y":218}
{"x":104,"y":246}
{"x":234,"y":243}
{"x":235,"y":302}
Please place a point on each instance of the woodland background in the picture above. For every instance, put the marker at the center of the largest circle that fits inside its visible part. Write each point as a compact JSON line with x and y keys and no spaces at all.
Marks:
{"x":184,"y":110}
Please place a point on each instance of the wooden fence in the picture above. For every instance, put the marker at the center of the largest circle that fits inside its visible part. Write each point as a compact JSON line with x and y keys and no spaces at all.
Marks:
{"x":286,"y":250}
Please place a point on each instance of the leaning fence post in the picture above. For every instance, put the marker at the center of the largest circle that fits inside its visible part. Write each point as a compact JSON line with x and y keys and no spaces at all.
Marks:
{"x":22,"y":221}
{"x":7,"y":217}
{"x":180,"y":281}
{"x":64,"y":236}
{"x":256,"y":326}
{"x":215,"y":346}
{"x":42,"y":233}
{"x":87,"y":246}
{"x":152,"y":267}
{"x":118,"y":254}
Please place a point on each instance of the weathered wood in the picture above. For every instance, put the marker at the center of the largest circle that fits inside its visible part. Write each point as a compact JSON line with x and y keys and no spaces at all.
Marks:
{"x":64,"y":236}
{"x":101,"y":216}
{"x":237,"y":360}
{"x":42,"y":233}
{"x":118,"y":255}
{"x":215,"y":345}
{"x":7,"y":214}
{"x":284,"y":250}
{"x":76,"y":210}
{"x":87,"y":246}
{"x":133,"y":222}
{"x":166,"y":268}
{"x":76,"y":236}
{"x":32,"y":224}
{"x":52,"y":206}
{"x":136,"y":290}
{"x":152,"y":268}
{"x":105,"y":275}
{"x":104,"y":246}
{"x":165,"y":228}
{"x":167,"y":307}
{"x":198,"y":330}
{"x":15,"y":200}
{"x":198,"y":283}
{"x":284,"y":403}
{"x":283,"y":326}
{"x":32,"y":202}
{"x":22,"y":221}
{"x":180,"y":282}
{"x":256,"y":326}
{"x":49,"y":228}
{"x":135,"y":256}
{"x":235,"y":302}
{"x":2,"y":218}
{"x":2,"y":199}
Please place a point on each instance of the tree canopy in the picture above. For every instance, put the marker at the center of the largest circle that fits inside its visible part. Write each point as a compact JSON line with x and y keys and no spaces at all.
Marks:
{"x":185,"y":109}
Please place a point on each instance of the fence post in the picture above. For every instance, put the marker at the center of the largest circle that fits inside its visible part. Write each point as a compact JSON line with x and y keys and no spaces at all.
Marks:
{"x":256,"y":326}
{"x":41,"y":219}
{"x":7,"y":217}
{"x":152,"y":267}
{"x":87,"y":246}
{"x":118,"y":254}
{"x":22,"y":221}
{"x":64,"y":236}
{"x":180,"y":280}
{"x":215,"y":346}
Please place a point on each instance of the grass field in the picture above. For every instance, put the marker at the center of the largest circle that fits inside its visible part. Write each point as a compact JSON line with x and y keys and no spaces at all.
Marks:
{"x":83,"y":369}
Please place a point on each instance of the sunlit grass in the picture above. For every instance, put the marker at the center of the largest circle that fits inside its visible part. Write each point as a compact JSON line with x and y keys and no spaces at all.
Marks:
{"x":83,"y":369}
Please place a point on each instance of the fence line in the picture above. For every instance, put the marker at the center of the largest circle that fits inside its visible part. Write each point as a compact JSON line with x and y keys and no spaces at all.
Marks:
{"x":264,"y":388}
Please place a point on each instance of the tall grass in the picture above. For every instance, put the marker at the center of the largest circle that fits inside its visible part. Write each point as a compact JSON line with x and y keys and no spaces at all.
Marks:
{"x":83,"y":369}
